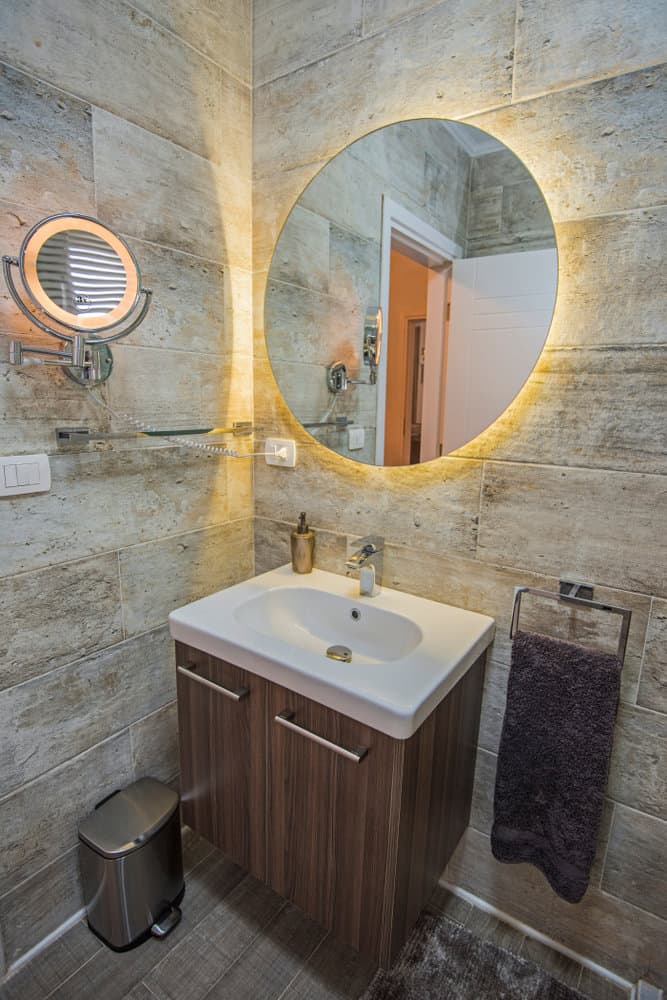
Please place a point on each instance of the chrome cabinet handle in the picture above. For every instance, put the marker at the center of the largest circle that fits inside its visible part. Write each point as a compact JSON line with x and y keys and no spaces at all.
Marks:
{"x":228,"y":693}
{"x":285,"y":719}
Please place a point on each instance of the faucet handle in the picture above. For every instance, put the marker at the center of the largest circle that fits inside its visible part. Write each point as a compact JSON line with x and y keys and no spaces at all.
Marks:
{"x":367,"y":583}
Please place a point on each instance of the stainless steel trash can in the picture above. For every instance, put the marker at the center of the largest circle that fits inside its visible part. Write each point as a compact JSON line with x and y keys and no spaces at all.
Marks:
{"x":131,"y":864}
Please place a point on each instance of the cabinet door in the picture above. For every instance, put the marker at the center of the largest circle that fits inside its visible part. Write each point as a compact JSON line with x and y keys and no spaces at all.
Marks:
{"x":221,"y":713}
{"x":330,"y":817}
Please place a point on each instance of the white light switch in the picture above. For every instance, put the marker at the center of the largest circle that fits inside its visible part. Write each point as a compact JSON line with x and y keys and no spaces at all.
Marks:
{"x":11,"y":479}
{"x":24,"y":474}
{"x":355,"y":438}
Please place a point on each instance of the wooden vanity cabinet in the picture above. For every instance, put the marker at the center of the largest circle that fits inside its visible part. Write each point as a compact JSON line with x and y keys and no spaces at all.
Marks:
{"x":222,"y":731}
{"x":358,"y":845}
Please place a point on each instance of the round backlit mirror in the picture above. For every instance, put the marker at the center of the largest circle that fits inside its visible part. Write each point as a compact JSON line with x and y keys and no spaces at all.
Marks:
{"x":79,"y":273}
{"x":439,"y":231}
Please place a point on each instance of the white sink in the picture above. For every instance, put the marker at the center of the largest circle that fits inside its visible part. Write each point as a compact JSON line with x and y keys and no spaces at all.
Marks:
{"x":407,"y":652}
{"x":312,"y":620}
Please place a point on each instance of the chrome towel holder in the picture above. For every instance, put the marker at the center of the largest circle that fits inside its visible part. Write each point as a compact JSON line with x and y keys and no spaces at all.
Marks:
{"x":570,"y":597}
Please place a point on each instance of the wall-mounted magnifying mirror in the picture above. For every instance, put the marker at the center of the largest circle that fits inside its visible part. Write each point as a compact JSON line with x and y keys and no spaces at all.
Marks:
{"x":77,"y":275}
{"x":446,"y":228}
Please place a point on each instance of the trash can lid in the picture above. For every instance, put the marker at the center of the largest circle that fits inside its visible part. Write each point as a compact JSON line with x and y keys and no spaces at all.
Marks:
{"x":127,"y":819}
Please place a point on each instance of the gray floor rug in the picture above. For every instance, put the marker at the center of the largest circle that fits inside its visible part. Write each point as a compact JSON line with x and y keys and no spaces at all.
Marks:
{"x":443,"y":961}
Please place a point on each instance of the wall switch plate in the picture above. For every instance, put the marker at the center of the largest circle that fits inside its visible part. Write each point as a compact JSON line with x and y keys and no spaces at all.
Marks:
{"x":21,"y":474}
{"x":356,"y":438}
{"x":280,"y":451}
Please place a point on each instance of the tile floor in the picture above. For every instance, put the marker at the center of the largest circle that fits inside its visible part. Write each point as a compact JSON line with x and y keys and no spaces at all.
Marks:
{"x":238,"y":940}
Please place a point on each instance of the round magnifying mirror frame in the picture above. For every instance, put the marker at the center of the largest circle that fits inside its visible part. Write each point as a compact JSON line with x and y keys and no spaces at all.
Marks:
{"x":28,"y":269}
{"x":348,"y":347}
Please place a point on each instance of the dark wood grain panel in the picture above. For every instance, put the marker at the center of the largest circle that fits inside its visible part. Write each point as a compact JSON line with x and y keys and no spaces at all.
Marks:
{"x":436,"y":798}
{"x":223,"y":751}
{"x":329,"y":819}
{"x":358,"y":846}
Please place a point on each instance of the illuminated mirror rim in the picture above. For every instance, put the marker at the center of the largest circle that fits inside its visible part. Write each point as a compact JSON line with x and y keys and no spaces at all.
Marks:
{"x":51,"y":226}
{"x":413,"y":120}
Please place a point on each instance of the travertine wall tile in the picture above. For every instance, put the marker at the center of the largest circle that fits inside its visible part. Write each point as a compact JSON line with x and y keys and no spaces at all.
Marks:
{"x":653,"y":681}
{"x":152,"y":189}
{"x":323,"y":330}
{"x":481,"y":816}
{"x":493,"y":705}
{"x":188,"y":308}
{"x":50,"y":616}
{"x":638,"y":772}
{"x":37,"y":399}
{"x":199,"y":562}
{"x":489,"y":589}
{"x":583,"y":145}
{"x":180,"y":390}
{"x":91,"y":47}
{"x":225,"y":36}
{"x":288,"y":34}
{"x":598,"y":525}
{"x":635,"y":864}
{"x":593,"y":928}
{"x":436,"y":515}
{"x":381,"y":14}
{"x":568,"y":412}
{"x":561,"y":44}
{"x":38,"y":906}
{"x":154,"y":742}
{"x":40,"y":820}
{"x":612,"y":287}
{"x":147,"y":494}
{"x":46,"y":151}
{"x":171,"y":172}
{"x":84,"y":702}
{"x":456,"y":69}
{"x":302,"y":254}
{"x":272,"y":540}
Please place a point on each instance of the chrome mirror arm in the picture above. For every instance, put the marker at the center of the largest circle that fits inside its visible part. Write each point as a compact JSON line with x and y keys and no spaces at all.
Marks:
{"x":7,"y":263}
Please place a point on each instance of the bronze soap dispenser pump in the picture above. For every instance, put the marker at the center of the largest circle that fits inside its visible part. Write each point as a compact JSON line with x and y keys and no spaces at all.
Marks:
{"x":303,"y":545}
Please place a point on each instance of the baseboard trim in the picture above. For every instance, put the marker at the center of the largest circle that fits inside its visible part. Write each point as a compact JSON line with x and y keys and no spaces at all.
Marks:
{"x":44,"y":943}
{"x":530,"y":932}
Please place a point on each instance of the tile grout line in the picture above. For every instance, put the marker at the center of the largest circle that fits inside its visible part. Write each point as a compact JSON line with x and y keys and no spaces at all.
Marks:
{"x":514,"y":55}
{"x":123,"y":622}
{"x":102,"y":553}
{"x":192,"y":47}
{"x":606,"y":848}
{"x":244,"y":950}
{"x":92,"y":106}
{"x":73,"y":974}
{"x":100,"y":651}
{"x":304,"y":966}
{"x":643,"y":653}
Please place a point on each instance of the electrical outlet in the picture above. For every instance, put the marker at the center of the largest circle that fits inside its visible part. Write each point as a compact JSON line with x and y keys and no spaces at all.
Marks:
{"x":280,"y":451}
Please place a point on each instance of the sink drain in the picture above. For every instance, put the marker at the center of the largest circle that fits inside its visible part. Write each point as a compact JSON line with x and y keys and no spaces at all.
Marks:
{"x":341,"y":653}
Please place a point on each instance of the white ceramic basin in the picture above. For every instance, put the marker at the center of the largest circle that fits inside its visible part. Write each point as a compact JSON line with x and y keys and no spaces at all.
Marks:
{"x":407,"y":652}
{"x":313,"y":619}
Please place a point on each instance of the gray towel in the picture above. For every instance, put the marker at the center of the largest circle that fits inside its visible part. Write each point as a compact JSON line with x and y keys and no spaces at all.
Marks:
{"x":554,"y":759}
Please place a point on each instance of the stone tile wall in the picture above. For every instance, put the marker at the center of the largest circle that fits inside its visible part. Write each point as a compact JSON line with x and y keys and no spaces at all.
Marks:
{"x":570,"y":480}
{"x":138,"y":114}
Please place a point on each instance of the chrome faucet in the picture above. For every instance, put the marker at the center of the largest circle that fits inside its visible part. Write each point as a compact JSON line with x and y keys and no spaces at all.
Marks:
{"x":368,"y":560}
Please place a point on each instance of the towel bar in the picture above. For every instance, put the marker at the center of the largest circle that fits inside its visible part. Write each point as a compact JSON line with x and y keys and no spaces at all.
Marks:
{"x":625,"y":613}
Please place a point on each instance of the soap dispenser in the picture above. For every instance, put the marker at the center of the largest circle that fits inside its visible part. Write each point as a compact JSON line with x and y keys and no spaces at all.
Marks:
{"x":303,"y":544}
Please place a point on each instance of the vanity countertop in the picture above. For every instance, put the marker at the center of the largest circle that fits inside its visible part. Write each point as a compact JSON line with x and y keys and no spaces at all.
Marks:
{"x":407,"y":652}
